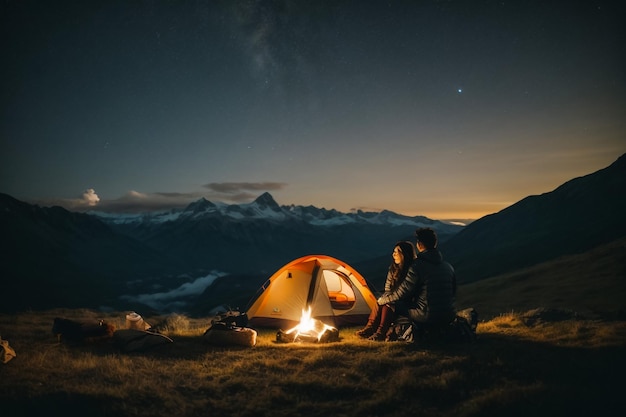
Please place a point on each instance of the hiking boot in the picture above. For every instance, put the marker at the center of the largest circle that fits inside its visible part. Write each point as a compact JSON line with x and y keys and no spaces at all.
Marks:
{"x":377,"y":337}
{"x":365,"y":332}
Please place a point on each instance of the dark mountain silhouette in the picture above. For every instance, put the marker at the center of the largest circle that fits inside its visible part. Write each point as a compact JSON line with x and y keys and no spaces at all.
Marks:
{"x":52,"y":257}
{"x":581,"y":214}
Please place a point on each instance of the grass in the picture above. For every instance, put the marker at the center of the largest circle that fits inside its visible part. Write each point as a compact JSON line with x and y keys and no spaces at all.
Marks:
{"x":592,"y":284}
{"x":522,"y":364}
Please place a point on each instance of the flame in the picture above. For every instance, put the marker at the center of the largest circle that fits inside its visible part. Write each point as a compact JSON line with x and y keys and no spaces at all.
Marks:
{"x":309,"y":326}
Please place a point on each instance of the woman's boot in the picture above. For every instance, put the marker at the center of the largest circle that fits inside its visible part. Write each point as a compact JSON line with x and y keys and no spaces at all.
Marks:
{"x":368,"y":330}
{"x":385,"y":322}
{"x":377,"y":336}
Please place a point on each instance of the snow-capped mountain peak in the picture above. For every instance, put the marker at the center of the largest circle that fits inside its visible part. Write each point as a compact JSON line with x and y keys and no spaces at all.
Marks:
{"x":266,"y":208}
{"x":266,"y":200}
{"x":200,"y":206}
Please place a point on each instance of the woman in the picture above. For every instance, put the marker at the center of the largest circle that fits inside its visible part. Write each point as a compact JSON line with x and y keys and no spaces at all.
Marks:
{"x":381,"y":317}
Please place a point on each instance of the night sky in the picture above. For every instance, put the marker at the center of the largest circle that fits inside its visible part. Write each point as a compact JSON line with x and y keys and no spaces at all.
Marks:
{"x":448,"y":109}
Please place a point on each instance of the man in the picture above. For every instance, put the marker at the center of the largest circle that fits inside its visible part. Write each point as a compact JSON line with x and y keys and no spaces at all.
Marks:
{"x":427,"y":294}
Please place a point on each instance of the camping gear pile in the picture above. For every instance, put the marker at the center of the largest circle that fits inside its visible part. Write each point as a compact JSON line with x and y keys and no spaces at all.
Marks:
{"x":138,"y":336}
{"x":230,"y":329}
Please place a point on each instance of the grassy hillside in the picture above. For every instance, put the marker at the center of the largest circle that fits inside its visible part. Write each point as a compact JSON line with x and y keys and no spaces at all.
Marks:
{"x":592,"y":284}
{"x":544,"y":348}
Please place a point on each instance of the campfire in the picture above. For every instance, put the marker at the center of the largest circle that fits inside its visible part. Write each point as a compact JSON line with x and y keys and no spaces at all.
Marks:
{"x":309,"y":330}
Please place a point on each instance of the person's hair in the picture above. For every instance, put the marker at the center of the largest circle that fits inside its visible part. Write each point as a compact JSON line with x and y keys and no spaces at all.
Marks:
{"x":427,"y":236}
{"x":398,"y":271}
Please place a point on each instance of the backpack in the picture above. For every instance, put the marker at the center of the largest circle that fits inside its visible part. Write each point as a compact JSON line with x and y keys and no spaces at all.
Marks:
{"x":462,"y":329}
{"x":402,"y":330}
{"x":471,"y":316}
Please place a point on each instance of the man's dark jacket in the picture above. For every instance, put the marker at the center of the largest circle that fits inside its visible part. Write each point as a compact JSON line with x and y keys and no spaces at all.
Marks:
{"x":428,"y":291}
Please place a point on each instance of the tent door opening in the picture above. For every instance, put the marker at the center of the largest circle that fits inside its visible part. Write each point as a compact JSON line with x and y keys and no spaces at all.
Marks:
{"x":340,"y":292}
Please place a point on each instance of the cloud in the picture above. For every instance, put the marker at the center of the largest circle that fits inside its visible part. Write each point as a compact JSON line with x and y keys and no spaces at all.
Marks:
{"x":177,"y":297}
{"x":236,"y":187}
{"x":136,"y":202}
{"x":86,"y":201}
{"x":90,"y":197}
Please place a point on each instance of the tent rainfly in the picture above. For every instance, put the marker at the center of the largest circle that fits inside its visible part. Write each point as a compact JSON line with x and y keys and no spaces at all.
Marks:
{"x":334,"y":291}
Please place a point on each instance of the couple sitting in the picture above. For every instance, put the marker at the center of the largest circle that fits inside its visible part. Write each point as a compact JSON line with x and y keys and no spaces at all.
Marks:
{"x":420,"y":287}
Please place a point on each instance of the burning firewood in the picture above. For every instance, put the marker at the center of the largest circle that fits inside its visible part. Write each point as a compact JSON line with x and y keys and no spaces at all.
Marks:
{"x":309,"y":330}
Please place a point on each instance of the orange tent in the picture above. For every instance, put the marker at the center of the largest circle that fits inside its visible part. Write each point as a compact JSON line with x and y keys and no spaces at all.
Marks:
{"x":336,"y":293}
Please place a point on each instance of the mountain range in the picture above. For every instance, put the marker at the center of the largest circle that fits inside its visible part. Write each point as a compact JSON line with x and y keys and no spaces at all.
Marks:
{"x":213,"y":253}
{"x":55,"y":257}
{"x":261,"y":236}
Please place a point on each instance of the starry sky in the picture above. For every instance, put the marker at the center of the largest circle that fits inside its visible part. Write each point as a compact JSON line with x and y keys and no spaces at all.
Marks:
{"x":448,"y":109}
